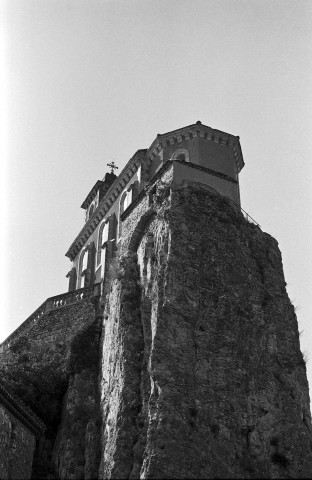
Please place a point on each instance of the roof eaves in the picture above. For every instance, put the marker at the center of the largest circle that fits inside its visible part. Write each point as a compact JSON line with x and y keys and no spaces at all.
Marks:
{"x":105,"y":203}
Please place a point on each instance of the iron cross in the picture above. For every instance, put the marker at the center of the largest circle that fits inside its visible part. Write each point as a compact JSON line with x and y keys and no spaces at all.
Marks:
{"x":112,"y":166}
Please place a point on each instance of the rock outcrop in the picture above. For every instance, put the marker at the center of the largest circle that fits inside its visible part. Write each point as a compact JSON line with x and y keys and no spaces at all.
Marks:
{"x":189,"y":366}
{"x":202,"y":374}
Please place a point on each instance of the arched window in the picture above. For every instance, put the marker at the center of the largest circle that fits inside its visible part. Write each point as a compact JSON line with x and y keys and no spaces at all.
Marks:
{"x":126,"y":199}
{"x":80,"y":261}
{"x":182,"y":154}
{"x":122,"y":208}
{"x":85,"y":261}
{"x":123,"y":203}
{"x":102,"y":239}
{"x":128,"y":196}
{"x":91,"y":210}
{"x":83,"y":265}
{"x":80,"y":278}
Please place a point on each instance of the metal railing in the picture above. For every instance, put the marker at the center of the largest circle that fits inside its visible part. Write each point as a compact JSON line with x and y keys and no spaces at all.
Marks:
{"x":52,"y":303}
{"x":249,"y":218}
{"x":245,"y":214}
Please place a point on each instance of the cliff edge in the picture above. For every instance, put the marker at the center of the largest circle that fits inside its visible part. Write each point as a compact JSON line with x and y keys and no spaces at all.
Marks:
{"x":202,"y":374}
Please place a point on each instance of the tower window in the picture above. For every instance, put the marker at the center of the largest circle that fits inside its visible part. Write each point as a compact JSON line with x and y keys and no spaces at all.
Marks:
{"x":91,"y":210}
{"x":182,"y":154}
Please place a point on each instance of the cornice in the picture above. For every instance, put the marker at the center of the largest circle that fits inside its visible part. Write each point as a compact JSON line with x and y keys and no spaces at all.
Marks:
{"x":106,"y":203}
{"x":161,"y":171}
{"x":197,"y":130}
{"x":224,"y":176}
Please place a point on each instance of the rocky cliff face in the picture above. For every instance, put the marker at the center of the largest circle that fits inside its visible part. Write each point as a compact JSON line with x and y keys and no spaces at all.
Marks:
{"x":202,"y":374}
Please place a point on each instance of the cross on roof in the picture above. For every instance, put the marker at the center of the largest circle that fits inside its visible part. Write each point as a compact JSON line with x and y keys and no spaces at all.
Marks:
{"x":112,"y":166}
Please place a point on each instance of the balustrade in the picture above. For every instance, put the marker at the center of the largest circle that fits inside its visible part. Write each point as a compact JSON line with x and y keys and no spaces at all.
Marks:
{"x":52,"y":303}
{"x":71,"y":297}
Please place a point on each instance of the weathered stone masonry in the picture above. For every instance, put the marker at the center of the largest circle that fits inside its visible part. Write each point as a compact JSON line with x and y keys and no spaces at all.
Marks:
{"x":19,"y":428}
{"x":53,"y":366}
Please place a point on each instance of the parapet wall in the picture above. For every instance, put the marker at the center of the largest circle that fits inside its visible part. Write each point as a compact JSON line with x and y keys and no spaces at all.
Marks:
{"x":42,"y":353}
{"x":33,"y":323}
{"x":42,"y":363}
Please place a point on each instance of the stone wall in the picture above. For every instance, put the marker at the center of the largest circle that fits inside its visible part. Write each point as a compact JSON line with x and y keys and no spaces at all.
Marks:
{"x":17,"y":445}
{"x":202,"y":374}
{"x":44,"y":367}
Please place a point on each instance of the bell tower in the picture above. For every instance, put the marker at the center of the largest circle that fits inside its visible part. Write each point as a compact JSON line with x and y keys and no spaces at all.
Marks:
{"x":202,"y":155}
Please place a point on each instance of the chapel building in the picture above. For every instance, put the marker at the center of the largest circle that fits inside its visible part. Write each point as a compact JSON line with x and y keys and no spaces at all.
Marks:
{"x":198,"y":154}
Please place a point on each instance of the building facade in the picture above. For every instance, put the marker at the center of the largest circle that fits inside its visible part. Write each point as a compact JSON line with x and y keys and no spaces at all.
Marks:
{"x":199,"y":154}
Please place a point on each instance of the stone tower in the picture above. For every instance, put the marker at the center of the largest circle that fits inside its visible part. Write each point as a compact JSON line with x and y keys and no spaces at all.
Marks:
{"x":175,"y":353}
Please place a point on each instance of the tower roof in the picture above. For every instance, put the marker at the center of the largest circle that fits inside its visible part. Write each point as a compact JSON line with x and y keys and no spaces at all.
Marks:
{"x":92,"y":194}
{"x":202,"y":131}
{"x":102,"y":185}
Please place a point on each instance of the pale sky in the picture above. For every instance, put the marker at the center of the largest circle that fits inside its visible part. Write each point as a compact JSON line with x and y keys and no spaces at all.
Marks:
{"x":88,"y":82}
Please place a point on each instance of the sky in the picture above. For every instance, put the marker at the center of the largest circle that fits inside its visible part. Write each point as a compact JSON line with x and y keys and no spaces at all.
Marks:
{"x":87,"y":82}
